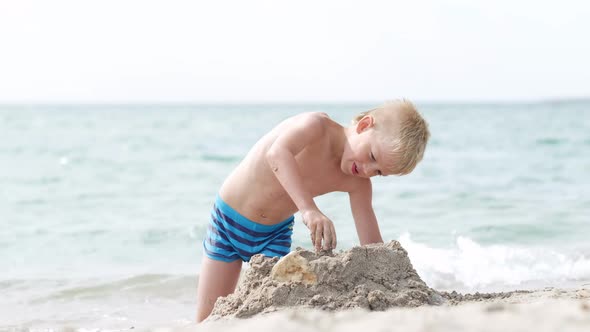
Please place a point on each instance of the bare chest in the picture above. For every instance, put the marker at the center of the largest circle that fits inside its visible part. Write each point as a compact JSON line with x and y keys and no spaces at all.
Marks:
{"x":321,"y":173}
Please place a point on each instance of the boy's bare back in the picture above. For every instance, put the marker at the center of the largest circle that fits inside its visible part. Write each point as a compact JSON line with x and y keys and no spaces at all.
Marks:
{"x":316,"y":141}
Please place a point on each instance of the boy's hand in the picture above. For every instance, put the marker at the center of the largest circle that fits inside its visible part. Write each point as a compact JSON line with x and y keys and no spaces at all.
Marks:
{"x":320,"y":227}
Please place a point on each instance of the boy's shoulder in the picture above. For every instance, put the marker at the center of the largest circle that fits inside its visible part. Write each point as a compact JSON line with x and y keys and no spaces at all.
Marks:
{"x":321,"y":114}
{"x":319,"y":117}
{"x":311,"y":120}
{"x":315,"y":115}
{"x":308,"y":127}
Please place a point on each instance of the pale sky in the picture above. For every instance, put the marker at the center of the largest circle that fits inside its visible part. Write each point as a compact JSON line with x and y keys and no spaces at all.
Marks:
{"x":118,"y":51}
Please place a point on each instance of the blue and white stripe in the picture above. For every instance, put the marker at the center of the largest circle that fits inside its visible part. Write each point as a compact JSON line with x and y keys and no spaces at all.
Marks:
{"x":230,"y":236}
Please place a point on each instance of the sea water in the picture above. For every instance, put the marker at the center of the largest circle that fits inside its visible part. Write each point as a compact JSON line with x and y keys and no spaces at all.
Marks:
{"x":103,"y":208}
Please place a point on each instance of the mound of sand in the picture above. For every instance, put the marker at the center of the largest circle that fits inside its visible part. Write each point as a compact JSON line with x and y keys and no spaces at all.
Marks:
{"x":374,"y":277}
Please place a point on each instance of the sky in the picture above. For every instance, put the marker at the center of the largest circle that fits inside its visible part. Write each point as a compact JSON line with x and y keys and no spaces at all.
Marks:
{"x":126,"y":51}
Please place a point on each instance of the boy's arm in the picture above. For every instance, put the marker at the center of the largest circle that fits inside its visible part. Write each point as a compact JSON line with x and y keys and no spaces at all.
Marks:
{"x":363,"y":214}
{"x":281,"y":159}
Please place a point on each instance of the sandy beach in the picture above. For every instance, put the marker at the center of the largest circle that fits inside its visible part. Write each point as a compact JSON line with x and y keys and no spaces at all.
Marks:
{"x":375,"y":287}
{"x":550,"y":309}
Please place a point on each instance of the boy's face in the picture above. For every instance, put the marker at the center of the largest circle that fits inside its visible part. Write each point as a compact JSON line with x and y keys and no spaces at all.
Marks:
{"x":365,"y":154}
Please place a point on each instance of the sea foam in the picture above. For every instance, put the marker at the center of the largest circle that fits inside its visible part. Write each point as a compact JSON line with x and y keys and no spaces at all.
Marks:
{"x":470,"y":266}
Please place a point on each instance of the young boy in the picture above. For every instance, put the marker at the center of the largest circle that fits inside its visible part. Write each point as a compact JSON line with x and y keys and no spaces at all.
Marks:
{"x":304,"y":156}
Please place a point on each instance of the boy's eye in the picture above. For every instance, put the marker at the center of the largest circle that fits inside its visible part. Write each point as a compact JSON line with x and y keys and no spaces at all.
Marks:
{"x":372,"y":156}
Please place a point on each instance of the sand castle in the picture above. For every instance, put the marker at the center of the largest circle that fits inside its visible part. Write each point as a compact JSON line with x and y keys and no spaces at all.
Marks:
{"x":374,"y":277}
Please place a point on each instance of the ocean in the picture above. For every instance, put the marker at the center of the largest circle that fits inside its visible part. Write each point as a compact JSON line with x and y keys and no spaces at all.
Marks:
{"x":103,"y":208}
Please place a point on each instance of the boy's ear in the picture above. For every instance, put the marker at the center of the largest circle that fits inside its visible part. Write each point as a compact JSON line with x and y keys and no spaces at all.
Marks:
{"x":365,"y":123}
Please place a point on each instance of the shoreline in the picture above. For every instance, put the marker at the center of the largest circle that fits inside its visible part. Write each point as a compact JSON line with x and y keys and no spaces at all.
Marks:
{"x":549,"y":309}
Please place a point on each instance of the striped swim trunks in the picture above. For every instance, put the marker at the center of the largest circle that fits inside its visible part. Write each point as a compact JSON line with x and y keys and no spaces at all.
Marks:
{"x":231,"y":236}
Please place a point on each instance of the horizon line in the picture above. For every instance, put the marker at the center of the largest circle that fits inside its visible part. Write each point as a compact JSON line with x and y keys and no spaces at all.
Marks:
{"x":557,"y":100}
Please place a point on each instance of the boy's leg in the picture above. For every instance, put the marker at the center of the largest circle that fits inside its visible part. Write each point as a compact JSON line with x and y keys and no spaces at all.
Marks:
{"x":216,"y":279}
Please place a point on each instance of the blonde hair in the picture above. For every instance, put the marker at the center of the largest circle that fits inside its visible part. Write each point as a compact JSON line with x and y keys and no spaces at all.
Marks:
{"x":403,"y":131}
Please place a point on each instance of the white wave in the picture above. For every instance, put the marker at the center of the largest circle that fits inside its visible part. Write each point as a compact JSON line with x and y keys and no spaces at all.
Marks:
{"x":469,"y":266}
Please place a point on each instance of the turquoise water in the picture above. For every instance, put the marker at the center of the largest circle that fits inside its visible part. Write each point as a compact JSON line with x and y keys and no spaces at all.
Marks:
{"x":103,"y":208}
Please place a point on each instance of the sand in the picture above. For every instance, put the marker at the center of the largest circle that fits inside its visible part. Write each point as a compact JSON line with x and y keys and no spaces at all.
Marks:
{"x":375,"y":288}
{"x":541,"y":313}
{"x":373,"y":277}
